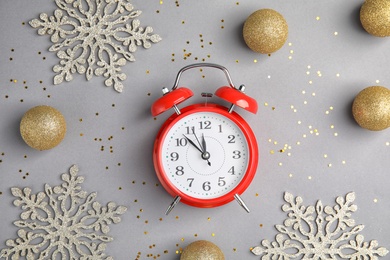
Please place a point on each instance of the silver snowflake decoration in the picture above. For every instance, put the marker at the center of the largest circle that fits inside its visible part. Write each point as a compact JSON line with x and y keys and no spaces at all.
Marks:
{"x":318,"y":232}
{"x":94,"y":37}
{"x":63,"y":221}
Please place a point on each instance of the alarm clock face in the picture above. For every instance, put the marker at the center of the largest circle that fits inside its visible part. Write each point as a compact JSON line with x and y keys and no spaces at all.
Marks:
{"x":205,"y":154}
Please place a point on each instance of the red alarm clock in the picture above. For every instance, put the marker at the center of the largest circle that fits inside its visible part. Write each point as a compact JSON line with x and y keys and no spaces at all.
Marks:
{"x":205,"y":155}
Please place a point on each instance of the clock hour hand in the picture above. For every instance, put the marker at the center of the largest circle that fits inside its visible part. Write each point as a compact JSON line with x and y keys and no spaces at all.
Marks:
{"x":204,"y":144}
{"x":202,"y":150}
{"x":205,"y":154}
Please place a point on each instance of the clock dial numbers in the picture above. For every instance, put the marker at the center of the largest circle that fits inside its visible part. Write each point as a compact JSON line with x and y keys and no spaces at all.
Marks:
{"x":232,"y":139}
{"x":221,"y":181}
{"x":179,"y":170}
{"x":190,"y":181}
{"x":205,"y":124}
{"x":181,"y":141}
{"x":206,"y":155}
{"x":174,"y":156}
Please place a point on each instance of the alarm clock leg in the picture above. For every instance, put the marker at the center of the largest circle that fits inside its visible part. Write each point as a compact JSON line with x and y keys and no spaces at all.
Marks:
{"x":241,"y":202}
{"x":173,"y":204}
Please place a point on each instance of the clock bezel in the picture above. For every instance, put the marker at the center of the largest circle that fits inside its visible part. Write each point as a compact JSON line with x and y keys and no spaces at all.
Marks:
{"x":253,"y":156}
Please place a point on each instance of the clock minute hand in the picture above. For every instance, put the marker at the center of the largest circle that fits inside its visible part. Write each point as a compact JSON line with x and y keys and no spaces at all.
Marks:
{"x":193,"y":144}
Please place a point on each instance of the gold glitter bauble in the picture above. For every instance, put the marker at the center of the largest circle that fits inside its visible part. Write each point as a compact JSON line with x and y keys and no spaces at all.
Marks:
{"x":265,"y":31}
{"x":43,"y":127}
{"x":371,"y":108}
{"x":375,"y":17}
{"x":202,"y":250}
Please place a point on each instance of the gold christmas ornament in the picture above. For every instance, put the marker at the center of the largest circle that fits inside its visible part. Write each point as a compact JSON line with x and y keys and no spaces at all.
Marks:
{"x":375,"y":17}
{"x":371,"y":108}
{"x":265,"y":31}
{"x":202,"y":250}
{"x":43,"y":127}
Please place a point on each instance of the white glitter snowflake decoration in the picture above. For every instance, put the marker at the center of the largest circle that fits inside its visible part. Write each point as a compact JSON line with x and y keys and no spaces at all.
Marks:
{"x":63,"y":221}
{"x":319,"y":233}
{"x":94,"y":37}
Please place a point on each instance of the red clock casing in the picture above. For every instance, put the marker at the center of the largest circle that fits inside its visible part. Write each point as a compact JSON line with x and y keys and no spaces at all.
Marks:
{"x":252,"y":158}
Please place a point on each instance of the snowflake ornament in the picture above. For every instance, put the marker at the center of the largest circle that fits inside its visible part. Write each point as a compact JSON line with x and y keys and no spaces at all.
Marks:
{"x":63,"y":221}
{"x":319,"y":233}
{"x":94,"y":37}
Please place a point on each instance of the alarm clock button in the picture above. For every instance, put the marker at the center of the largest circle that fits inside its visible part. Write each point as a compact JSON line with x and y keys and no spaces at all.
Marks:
{"x":170,"y":99}
{"x":237,"y":98}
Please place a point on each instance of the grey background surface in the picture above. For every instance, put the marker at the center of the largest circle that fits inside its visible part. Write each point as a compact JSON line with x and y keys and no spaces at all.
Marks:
{"x":304,"y":91}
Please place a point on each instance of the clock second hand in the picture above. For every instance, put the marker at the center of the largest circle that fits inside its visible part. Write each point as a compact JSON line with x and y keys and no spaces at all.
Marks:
{"x":193,"y":132}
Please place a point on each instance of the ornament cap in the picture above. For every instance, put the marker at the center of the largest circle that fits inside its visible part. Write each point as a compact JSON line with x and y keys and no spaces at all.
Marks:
{"x":238,"y":98}
{"x":170,"y":99}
